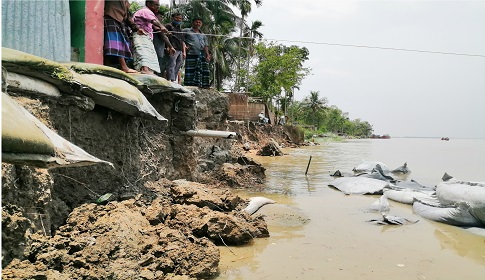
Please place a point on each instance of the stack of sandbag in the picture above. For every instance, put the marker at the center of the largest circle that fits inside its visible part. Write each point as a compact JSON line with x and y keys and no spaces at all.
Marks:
{"x":105,"y":86}
{"x":459,"y":203}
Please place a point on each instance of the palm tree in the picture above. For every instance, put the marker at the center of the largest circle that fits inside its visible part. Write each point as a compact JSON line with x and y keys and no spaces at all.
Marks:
{"x":223,"y":50}
{"x":252,"y":33}
{"x":245,"y":8}
{"x":315,"y":104}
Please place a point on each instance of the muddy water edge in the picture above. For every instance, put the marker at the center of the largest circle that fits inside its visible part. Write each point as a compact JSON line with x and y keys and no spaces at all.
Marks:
{"x":320,"y":233}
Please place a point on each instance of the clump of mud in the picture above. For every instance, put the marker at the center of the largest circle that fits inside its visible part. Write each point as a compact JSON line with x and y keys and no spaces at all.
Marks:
{"x":172,"y":231}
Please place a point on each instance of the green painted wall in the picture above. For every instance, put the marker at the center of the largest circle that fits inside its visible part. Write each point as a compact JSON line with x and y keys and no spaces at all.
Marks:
{"x":78,"y":29}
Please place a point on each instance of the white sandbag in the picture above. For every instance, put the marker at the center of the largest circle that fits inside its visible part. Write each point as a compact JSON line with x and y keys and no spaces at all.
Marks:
{"x":19,"y":134}
{"x":476,"y":230}
{"x":255,"y":203}
{"x":160,"y":85}
{"x":368,"y":166}
{"x":401,"y":169}
{"x":406,"y":196}
{"x":91,"y":68}
{"x":392,"y":220}
{"x":359,"y":185}
{"x":381,"y":205}
{"x":23,"y":84}
{"x":451,"y":192}
{"x":26,"y":140}
{"x":458,"y":215}
{"x":38,"y":67}
{"x":116,"y":94}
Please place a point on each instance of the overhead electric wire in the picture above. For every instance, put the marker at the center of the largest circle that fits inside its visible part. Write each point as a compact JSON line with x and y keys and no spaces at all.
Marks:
{"x":353,"y":46}
{"x":381,"y":48}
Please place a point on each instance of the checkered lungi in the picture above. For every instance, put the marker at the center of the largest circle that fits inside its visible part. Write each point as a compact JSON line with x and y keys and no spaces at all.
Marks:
{"x":196,"y":71}
{"x":144,"y":53}
{"x":116,"y":41}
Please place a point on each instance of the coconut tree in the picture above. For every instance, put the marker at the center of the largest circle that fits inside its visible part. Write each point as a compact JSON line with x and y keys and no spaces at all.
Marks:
{"x":251,"y":33}
{"x":244,"y":7}
{"x":315,"y":104}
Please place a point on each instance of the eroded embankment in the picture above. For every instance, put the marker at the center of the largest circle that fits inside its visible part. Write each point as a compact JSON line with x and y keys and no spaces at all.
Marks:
{"x":151,"y":227}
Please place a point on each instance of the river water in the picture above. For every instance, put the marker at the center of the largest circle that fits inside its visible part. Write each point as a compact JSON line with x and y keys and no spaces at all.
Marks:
{"x":319,"y":233}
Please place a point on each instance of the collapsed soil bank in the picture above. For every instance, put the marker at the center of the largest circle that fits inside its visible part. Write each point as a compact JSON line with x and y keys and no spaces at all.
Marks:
{"x":153,"y":228}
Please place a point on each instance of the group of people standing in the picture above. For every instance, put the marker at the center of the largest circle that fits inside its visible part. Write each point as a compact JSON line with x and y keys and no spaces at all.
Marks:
{"x":153,"y":47}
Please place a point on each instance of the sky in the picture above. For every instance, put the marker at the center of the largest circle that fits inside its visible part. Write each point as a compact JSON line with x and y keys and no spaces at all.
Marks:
{"x":401,"y":93}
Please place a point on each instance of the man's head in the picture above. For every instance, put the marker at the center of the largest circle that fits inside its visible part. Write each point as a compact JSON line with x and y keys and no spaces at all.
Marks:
{"x":197,"y":23}
{"x":153,"y":5}
{"x":177,"y":18}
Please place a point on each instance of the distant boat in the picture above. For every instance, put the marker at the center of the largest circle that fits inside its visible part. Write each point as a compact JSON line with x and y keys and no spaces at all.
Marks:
{"x":445,"y":138}
{"x":377,"y":136}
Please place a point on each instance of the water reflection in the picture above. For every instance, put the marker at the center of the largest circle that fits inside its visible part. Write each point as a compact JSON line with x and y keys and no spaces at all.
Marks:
{"x":463,"y":243}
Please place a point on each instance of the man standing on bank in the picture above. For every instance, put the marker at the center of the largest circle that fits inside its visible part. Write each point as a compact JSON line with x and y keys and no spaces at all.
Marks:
{"x":145,"y":56}
{"x":176,"y":38}
{"x":198,"y":56}
{"x":117,"y":25}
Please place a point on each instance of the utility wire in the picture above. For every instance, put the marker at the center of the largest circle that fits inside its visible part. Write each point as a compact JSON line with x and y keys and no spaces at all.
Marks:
{"x":350,"y":45}
{"x":381,"y":48}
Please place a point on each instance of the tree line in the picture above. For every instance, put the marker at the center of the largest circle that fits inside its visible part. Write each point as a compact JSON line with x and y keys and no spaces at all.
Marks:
{"x":243,"y":62}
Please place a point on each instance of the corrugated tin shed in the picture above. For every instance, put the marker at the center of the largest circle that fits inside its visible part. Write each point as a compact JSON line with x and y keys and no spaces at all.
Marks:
{"x":42,"y":28}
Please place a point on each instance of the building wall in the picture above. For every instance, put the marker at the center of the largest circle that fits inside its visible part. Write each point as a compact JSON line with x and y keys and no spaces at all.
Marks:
{"x":41,"y":28}
{"x":241,"y":109}
{"x":94,"y":37}
{"x":77,"y":32}
{"x":87,"y":31}
{"x":60,"y":30}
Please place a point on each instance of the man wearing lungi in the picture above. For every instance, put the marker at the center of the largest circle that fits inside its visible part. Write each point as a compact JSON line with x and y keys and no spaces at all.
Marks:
{"x":198,"y":56}
{"x":117,"y":27}
{"x":145,"y":56}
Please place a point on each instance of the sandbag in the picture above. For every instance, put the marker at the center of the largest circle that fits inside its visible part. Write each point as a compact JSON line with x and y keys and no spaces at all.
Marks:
{"x":368,"y":166}
{"x":359,"y":185}
{"x":91,"y":68}
{"x":160,"y":85}
{"x":458,"y":215}
{"x":451,"y":192}
{"x":116,"y":94}
{"x":255,"y":203}
{"x":406,"y":196}
{"x":27,"y":141}
{"x":38,"y":67}
{"x":20,"y":134}
{"x":23,"y":84}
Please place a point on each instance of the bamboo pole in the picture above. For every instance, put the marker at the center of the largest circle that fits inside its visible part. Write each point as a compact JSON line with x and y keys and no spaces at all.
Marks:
{"x":310,"y":160}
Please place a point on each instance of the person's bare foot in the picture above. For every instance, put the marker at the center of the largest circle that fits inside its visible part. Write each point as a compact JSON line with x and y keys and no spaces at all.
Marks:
{"x":146,"y":70}
{"x":129,"y":70}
